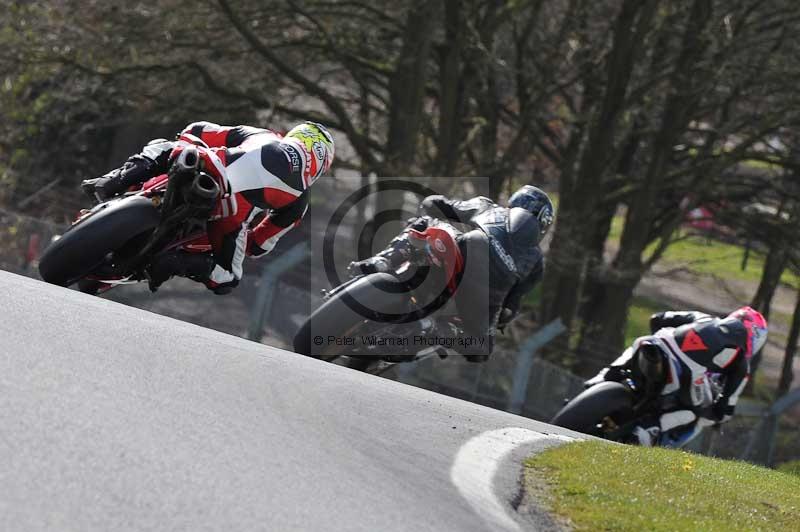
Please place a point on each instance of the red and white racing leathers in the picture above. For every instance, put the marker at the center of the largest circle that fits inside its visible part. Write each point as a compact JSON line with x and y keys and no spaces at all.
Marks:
{"x":265,"y":174}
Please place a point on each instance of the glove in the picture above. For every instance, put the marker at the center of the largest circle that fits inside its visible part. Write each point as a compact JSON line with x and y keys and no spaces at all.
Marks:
{"x":371,"y":265}
{"x":418,"y":223}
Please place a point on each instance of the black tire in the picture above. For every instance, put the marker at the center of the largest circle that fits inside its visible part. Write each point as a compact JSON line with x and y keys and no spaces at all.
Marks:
{"x":379,"y":292}
{"x":89,"y":286}
{"x":585,"y":412}
{"x":84,"y":246}
{"x":360,"y":363}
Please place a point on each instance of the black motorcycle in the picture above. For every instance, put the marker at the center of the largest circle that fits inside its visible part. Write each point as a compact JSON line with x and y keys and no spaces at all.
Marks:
{"x":374,"y":321}
{"x":649,"y":384}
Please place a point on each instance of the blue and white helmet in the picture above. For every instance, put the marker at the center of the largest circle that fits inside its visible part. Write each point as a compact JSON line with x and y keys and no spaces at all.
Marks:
{"x":535,"y":201}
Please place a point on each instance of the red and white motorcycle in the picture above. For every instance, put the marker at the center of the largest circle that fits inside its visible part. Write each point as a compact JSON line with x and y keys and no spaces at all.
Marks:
{"x":114,"y":242}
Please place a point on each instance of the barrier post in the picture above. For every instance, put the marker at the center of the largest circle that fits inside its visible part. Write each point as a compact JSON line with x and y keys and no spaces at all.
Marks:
{"x":269,"y":282}
{"x":527,"y":352}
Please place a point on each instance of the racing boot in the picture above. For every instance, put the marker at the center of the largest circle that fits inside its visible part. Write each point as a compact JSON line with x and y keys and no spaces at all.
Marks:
{"x":679,"y":427}
{"x":648,"y":433}
{"x":674,"y":429}
{"x":136,"y":170}
{"x":195,"y":266}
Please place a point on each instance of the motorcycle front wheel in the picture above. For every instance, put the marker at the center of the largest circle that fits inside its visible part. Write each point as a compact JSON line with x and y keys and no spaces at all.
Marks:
{"x":594,"y":407}
{"x":328,"y":330}
{"x":85,"y":245}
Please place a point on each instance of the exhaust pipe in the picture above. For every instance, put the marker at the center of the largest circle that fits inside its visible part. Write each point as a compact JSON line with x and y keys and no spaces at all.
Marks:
{"x":204,"y":187}
{"x":187,"y":160}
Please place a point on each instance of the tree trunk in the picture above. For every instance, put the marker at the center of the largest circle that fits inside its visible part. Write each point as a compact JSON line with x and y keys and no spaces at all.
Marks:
{"x":406,"y":94}
{"x":364,"y":123}
{"x":770,"y":277}
{"x":451,"y":97}
{"x":580,"y":209}
{"x":488,"y":104}
{"x":595,"y":261}
{"x":603,"y":332}
{"x":407,"y":90}
{"x":596,"y":248}
{"x":787,"y":371}
{"x":566,"y":265}
{"x":605,"y":321}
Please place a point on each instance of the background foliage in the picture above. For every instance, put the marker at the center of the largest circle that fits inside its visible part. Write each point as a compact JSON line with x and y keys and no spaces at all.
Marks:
{"x":632,"y":112}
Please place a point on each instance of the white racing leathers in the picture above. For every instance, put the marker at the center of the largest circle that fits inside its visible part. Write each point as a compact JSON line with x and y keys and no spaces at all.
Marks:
{"x":695,"y":386}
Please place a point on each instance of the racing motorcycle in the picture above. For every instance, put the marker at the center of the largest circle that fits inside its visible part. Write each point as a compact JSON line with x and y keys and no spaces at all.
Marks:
{"x":374,"y":321}
{"x":114,"y":242}
{"x":641,"y":384}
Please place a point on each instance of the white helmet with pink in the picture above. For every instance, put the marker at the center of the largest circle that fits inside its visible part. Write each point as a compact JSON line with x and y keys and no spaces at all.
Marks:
{"x":756,"y":326}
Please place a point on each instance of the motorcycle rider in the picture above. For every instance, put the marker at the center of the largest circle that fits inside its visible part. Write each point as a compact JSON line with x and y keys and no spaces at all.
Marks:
{"x":263,"y":173}
{"x":501,"y":250}
{"x":700,"y":344}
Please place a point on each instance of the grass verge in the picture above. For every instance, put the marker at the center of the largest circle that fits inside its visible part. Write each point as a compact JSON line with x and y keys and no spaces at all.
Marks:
{"x":712,"y":257}
{"x":706,"y":256}
{"x":600,"y":486}
{"x":792,"y":467}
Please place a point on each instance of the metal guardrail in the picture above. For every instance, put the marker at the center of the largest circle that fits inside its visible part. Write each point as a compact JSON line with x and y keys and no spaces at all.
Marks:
{"x":268,"y":283}
{"x":520,"y":380}
{"x":761,"y":444}
{"x":527,"y":352}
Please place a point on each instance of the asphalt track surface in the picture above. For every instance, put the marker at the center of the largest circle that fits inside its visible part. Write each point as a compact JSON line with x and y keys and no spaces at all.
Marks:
{"x":113,"y":418}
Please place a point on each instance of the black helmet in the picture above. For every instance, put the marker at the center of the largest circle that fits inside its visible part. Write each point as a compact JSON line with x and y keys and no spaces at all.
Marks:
{"x":535,"y":201}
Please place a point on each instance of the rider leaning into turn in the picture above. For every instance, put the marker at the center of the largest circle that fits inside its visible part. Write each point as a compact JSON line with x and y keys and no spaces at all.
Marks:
{"x":264,"y":173}
{"x":701,"y":344}
{"x":502,"y":255}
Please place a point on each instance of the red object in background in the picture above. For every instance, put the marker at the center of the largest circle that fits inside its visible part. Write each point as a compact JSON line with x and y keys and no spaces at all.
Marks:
{"x":32,"y":253}
{"x":701,"y":218}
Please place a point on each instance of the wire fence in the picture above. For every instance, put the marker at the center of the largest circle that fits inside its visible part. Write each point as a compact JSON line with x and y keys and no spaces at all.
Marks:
{"x":550,"y":385}
{"x":23,"y":239}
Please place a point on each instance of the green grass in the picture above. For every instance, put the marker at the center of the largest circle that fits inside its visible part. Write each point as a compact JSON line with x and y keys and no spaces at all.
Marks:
{"x":601,"y":486}
{"x":704,"y":256}
{"x":639,"y":313}
{"x":792,"y":467}
{"x":710,"y":257}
